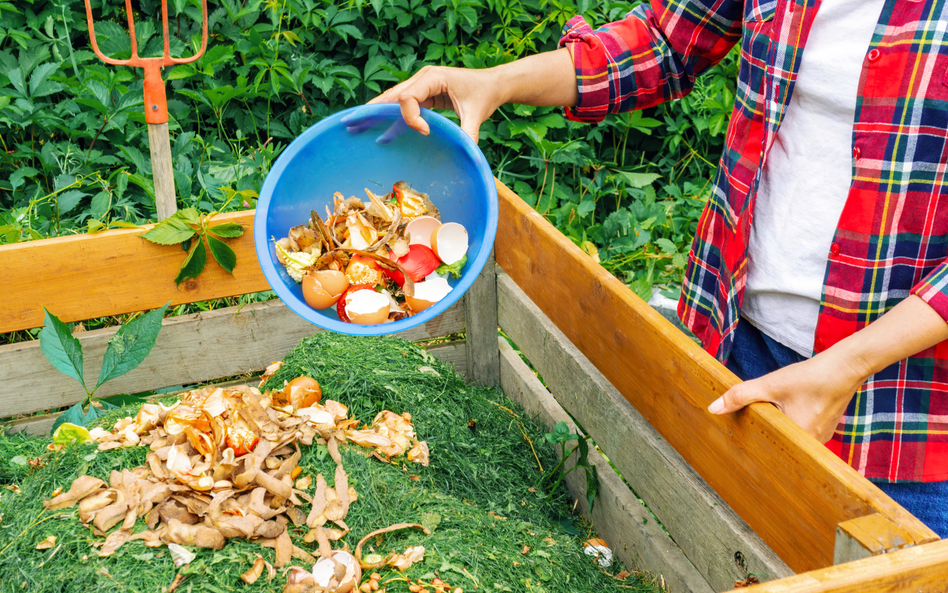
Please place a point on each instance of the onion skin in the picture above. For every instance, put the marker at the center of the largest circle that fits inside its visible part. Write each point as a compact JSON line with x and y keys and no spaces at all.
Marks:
{"x":419,"y":262}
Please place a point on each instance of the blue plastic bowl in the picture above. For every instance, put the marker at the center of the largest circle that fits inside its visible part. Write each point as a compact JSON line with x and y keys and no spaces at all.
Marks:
{"x":447,"y":165}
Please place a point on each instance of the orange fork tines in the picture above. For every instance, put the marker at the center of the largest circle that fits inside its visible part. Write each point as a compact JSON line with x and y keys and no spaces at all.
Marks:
{"x":156,"y":105}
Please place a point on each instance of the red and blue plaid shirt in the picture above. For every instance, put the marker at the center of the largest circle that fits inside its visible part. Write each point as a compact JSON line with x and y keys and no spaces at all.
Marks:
{"x":892,"y":237}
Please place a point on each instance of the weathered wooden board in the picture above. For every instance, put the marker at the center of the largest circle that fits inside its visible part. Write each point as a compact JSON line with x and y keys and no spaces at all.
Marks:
{"x":453,"y":353}
{"x":868,"y":536}
{"x":705,"y":527}
{"x":114,"y":272}
{"x":189,"y":349}
{"x":620,"y":518}
{"x":480,"y":322}
{"x":919,"y":569}
{"x":789,"y":488}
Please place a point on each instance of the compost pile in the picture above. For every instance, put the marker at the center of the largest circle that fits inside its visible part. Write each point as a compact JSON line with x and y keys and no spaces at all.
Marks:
{"x":475,"y":509}
{"x":223,"y":465}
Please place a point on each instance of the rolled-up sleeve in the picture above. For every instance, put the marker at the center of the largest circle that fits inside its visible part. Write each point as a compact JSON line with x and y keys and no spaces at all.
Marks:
{"x":651,"y":56}
{"x":933,"y":289}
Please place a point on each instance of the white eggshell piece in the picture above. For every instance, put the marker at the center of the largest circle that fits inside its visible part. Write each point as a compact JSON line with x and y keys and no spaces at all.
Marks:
{"x":365,"y":301}
{"x":433,"y":289}
{"x":420,"y":229}
{"x":449,"y":242}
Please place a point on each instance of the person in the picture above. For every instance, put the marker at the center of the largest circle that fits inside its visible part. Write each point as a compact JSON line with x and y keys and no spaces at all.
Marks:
{"x":818,"y":271}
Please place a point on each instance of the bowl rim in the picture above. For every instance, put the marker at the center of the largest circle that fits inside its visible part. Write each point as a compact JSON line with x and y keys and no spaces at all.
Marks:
{"x":438,"y":124}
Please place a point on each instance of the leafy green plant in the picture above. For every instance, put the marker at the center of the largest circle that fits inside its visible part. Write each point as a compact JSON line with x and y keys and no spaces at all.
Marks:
{"x":561,"y":437}
{"x":73,"y":141}
{"x":192,"y":231}
{"x":125,"y":351}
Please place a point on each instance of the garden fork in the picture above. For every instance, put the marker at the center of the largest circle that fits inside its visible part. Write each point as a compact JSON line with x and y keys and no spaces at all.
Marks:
{"x":156,"y":105}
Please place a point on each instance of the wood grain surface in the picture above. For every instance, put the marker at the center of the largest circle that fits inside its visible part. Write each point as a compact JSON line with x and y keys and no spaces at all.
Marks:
{"x":626,"y":525}
{"x":114,"y":272}
{"x":706,"y":529}
{"x":919,"y":569}
{"x":789,"y":488}
{"x":189,"y":349}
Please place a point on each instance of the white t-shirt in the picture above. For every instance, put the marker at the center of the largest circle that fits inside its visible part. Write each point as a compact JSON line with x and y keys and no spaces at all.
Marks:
{"x":807,"y":176}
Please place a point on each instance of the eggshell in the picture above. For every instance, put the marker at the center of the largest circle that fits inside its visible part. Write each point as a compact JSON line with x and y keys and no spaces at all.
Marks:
{"x":449,"y":242}
{"x":315,"y":295}
{"x":332,"y":281}
{"x":420,"y":229}
{"x":367,"y":307}
{"x":428,"y":293}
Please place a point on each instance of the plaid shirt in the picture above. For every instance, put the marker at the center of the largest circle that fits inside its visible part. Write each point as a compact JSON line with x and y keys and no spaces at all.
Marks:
{"x":892,"y":237}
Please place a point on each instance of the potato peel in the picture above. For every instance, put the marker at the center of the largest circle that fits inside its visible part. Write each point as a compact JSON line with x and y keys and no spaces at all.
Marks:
{"x":197,"y":490}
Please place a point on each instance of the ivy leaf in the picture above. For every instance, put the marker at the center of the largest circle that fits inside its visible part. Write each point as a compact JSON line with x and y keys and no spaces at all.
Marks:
{"x":170,"y":231}
{"x":194,"y":264}
{"x":227,"y":230}
{"x":224,"y":255}
{"x":130,"y":345}
{"x":61,"y":348}
{"x":73,"y":415}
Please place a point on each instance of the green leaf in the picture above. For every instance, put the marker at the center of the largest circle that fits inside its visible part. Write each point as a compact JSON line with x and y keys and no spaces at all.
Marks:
{"x":454,"y":269}
{"x":69,"y":200}
{"x":130,"y":345}
{"x":227,"y":230}
{"x":666,"y":246}
{"x":170,"y":231}
{"x":67,"y":433}
{"x":61,"y":348}
{"x":224,"y":255}
{"x":73,"y":415}
{"x":16,"y":178}
{"x":592,"y":486}
{"x":100,"y":204}
{"x":639,"y":179}
{"x":122,"y":400}
{"x":194,"y":264}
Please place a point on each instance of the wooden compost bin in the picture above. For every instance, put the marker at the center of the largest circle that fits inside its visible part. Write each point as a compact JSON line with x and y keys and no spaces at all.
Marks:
{"x":749,"y":493}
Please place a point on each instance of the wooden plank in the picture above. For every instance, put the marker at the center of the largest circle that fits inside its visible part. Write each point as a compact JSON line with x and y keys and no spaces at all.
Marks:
{"x":619,"y":518}
{"x":453,"y":353}
{"x":480,"y":320}
{"x":789,"y":488}
{"x":705,"y":527}
{"x":919,"y":569}
{"x":190,"y":349}
{"x":868,"y":536}
{"x":114,"y":272}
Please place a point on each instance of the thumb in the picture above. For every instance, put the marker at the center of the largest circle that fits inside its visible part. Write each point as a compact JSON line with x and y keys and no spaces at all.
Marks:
{"x":471,"y":127}
{"x":737,"y":397}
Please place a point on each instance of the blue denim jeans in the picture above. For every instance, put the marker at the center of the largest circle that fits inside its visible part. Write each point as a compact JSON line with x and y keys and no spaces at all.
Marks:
{"x":755,"y":354}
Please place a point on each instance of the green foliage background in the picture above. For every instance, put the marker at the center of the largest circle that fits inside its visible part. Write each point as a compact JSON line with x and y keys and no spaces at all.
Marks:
{"x":75,"y":148}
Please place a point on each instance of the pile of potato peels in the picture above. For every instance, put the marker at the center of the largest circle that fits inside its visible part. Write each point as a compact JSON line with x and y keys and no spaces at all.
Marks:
{"x":224,"y":464}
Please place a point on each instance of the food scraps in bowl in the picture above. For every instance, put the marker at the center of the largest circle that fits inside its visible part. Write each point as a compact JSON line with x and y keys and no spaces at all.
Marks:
{"x":377,"y":261}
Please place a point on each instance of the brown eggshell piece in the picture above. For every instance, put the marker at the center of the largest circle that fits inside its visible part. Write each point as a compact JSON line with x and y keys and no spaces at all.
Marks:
{"x":332,"y":281}
{"x":315,"y":295}
{"x":420,"y":229}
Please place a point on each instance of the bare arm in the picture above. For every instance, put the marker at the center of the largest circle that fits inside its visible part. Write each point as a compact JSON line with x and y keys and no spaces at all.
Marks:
{"x":814,"y":393}
{"x":542,"y":79}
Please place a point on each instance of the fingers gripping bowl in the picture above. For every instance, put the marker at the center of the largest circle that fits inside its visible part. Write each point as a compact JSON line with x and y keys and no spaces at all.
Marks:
{"x":370,"y":147}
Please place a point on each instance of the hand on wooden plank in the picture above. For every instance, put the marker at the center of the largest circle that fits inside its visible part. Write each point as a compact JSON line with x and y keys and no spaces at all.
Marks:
{"x":814,"y":393}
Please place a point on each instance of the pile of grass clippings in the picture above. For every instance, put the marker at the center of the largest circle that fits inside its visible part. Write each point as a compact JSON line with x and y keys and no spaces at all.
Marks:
{"x":491,"y":529}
